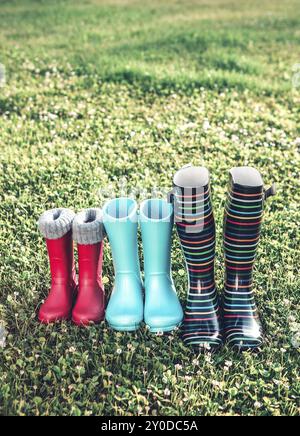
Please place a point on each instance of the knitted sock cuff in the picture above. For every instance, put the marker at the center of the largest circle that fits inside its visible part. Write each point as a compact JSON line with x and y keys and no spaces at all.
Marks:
{"x":88,"y":227}
{"x":56,"y":223}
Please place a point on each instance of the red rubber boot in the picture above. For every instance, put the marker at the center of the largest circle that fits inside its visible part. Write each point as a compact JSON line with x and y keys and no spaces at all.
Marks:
{"x":58,"y":305}
{"x":87,"y":232}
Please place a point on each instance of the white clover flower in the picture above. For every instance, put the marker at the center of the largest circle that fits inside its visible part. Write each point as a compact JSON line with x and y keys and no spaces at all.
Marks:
{"x":167,"y":392}
{"x":296,"y":340}
{"x":296,"y":76}
{"x":119,"y":351}
{"x":207,"y":358}
{"x":79,"y":368}
{"x":3,"y":335}
{"x":206,"y":125}
{"x":295,"y":327}
{"x":2,"y":75}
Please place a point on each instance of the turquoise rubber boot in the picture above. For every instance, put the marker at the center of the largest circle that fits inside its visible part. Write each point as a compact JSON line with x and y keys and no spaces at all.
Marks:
{"x":125,"y":308}
{"x":163,"y":311}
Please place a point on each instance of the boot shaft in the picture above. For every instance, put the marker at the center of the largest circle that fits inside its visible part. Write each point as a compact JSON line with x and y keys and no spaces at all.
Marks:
{"x":156,"y":218}
{"x":196,"y":227}
{"x":90,"y":259}
{"x":61,"y":259}
{"x":242,"y":226}
{"x":197,"y":238}
{"x":121,"y":225}
{"x":56,"y":227}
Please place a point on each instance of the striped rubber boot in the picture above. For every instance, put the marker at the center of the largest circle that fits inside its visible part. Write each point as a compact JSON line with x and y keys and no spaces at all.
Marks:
{"x":242,"y":224}
{"x":196,"y":230}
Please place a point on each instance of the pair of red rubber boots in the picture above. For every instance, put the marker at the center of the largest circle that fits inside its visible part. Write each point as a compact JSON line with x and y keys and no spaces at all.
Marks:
{"x":81,"y":300}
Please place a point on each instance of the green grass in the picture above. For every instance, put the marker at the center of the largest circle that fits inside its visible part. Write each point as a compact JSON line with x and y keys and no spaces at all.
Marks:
{"x":101,"y":90}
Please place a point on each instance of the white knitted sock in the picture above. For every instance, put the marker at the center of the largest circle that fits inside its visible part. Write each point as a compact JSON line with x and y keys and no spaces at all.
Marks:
{"x":56,"y":223}
{"x":88,"y":227}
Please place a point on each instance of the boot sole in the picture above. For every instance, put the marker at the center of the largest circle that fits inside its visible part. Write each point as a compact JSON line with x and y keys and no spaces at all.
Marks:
{"x":86,"y":323}
{"x":127,"y":328}
{"x":165,"y":329}
{"x":53,"y":321}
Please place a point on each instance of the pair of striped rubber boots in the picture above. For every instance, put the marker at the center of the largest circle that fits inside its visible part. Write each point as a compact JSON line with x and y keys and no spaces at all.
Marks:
{"x":208,"y":322}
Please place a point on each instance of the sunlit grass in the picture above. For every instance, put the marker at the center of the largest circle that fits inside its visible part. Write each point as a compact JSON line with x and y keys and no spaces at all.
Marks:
{"x":101,"y":90}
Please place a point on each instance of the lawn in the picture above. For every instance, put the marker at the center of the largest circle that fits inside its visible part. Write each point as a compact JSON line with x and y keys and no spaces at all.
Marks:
{"x":99,"y":91}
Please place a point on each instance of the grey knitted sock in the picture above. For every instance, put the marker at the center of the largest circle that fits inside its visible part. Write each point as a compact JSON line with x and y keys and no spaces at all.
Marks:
{"x":88,"y":227}
{"x":56,"y":223}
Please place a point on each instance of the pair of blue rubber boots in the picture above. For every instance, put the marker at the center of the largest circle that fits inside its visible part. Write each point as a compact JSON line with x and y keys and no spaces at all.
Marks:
{"x":155,"y":301}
